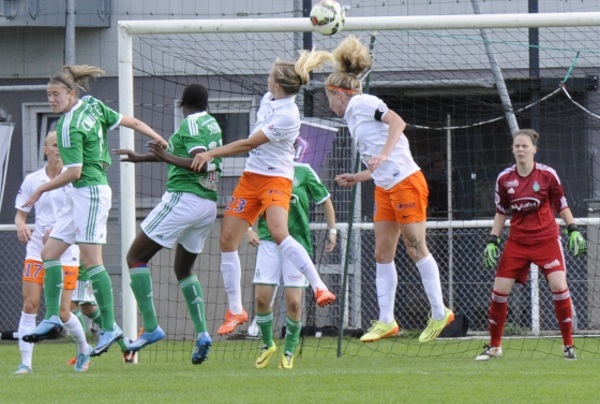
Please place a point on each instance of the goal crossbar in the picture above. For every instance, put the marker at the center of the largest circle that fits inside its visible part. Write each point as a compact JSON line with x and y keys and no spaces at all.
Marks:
{"x":417,"y":22}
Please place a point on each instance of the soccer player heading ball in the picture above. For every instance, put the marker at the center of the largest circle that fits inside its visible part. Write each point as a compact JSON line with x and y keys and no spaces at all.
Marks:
{"x":266,"y":183}
{"x":400,"y":189}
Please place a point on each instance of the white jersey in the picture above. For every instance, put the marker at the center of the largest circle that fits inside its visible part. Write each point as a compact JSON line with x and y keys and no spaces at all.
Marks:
{"x":369,"y":136}
{"x":48,"y":209}
{"x":280,"y":122}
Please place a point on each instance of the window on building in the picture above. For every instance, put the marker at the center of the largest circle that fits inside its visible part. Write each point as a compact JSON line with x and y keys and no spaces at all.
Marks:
{"x":38,"y":120}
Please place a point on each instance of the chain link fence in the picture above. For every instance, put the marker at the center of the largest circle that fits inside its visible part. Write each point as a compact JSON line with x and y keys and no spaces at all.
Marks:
{"x":466,"y":284}
{"x":12,"y":256}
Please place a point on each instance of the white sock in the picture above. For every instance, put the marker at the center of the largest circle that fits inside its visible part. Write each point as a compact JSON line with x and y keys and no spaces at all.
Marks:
{"x":297,"y":255}
{"x":430,"y":277}
{"x":26,"y":325}
{"x":73,"y":326}
{"x":386,"y":281}
{"x":231,"y":270}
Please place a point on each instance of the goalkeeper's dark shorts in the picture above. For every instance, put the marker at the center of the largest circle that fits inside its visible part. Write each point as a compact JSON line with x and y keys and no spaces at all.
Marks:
{"x":517,"y":258}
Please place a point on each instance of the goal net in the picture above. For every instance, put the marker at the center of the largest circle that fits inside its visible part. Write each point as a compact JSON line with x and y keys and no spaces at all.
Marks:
{"x":462,"y":83}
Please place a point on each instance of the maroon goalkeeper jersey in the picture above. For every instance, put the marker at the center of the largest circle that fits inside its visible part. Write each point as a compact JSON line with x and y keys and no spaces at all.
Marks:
{"x":531,"y":202}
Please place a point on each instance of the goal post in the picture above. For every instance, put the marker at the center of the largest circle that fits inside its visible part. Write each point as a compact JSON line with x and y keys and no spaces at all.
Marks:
{"x":127,"y":199}
{"x":433,"y":70}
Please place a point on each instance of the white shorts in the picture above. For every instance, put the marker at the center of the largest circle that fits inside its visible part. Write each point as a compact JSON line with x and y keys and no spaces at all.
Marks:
{"x":271,"y":266}
{"x":70,"y":258}
{"x":84,"y":293}
{"x":183,"y":218}
{"x":85,"y":220}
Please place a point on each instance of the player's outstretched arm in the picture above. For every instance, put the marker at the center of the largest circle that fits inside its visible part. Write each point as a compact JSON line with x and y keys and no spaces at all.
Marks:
{"x":139,"y":126}
{"x":66,"y":177}
{"x":351,"y":179}
{"x":230,"y":149}
{"x":183,"y":162}
{"x":133,"y":157}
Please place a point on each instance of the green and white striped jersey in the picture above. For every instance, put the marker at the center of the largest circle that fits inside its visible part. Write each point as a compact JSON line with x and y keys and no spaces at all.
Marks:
{"x":82,"y":140}
{"x":197,"y":131}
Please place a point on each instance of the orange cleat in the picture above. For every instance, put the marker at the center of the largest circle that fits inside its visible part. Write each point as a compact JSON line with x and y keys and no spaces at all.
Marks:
{"x":231,"y":321}
{"x":324,"y":297}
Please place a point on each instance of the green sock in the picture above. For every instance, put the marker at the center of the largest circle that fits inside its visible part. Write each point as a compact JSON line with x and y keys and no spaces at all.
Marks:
{"x":122,"y":344}
{"x":265,"y":323}
{"x":141,"y":284}
{"x":192,"y":292}
{"x":82,"y":275}
{"x":104,"y":295}
{"x":96,"y":317}
{"x":292,"y":334}
{"x":77,"y":312}
{"x":53,"y":287}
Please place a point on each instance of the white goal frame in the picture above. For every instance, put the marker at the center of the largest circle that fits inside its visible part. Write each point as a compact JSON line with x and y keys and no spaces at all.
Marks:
{"x":129,"y":29}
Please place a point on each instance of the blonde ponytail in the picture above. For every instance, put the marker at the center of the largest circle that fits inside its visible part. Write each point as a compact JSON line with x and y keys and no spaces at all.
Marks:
{"x":76,"y":77}
{"x":291,"y":76}
{"x":350,"y":59}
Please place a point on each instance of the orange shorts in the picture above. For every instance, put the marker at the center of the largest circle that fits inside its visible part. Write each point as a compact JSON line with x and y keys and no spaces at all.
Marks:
{"x":255,"y":193}
{"x":33,"y":271}
{"x":405,"y":202}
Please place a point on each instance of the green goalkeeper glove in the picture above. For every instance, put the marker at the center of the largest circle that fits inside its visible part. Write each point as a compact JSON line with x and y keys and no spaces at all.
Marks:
{"x":577,"y":244}
{"x":491,"y":253}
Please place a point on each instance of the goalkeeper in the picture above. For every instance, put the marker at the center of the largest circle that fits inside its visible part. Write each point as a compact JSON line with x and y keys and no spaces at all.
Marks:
{"x":530,"y":192}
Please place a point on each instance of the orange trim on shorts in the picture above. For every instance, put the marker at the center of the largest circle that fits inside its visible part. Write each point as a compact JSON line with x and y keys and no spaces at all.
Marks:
{"x":70,"y":274}
{"x":33,"y":271}
{"x":255,"y":193}
{"x":405,"y":202}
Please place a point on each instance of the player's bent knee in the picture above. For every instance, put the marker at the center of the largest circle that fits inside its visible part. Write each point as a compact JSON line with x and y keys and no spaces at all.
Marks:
{"x":30,"y":307}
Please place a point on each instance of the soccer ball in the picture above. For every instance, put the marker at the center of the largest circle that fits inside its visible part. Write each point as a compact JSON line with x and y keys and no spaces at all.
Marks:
{"x":327,"y":17}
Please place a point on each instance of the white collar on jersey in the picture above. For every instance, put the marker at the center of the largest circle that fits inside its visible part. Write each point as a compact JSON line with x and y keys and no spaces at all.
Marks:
{"x":283,"y":101}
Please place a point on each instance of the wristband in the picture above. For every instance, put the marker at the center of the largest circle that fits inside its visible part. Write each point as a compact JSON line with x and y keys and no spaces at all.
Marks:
{"x":571,"y":228}
{"x":493,"y":239}
{"x":332,"y":231}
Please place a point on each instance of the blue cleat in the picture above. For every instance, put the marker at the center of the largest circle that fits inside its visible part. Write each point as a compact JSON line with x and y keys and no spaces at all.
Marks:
{"x":22,"y":370}
{"x":82,"y":363}
{"x":146,"y":339}
{"x":106,"y":339}
{"x":48,"y":328}
{"x":203,"y":344}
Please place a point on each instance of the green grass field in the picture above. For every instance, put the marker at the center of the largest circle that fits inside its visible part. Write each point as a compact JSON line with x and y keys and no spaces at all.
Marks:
{"x":532,"y":371}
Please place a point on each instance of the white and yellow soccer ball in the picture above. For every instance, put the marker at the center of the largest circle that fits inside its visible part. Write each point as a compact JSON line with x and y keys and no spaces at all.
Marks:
{"x":327,"y":17}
